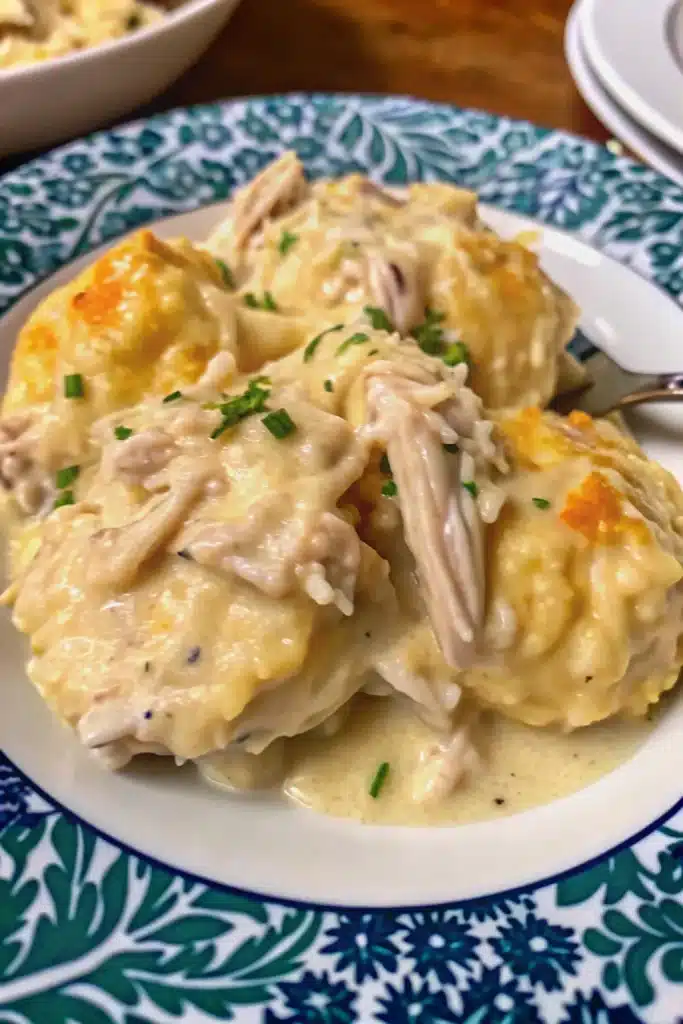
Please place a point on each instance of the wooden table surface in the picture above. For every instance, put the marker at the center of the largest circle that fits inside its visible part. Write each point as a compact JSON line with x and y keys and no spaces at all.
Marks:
{"x":505,"y":56}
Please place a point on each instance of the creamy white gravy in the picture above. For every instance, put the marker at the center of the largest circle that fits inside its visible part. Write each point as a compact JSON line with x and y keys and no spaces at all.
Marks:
{"x":521,"y":766}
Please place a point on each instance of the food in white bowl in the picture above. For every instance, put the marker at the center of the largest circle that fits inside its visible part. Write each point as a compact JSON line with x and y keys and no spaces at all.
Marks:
{"x":35,"y":30}
{"x":69,"y":67}
{"x":255,"y":526}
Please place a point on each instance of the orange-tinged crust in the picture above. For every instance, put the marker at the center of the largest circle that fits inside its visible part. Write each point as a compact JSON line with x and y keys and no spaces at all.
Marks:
{"x":595,"y":510}
{"x":136,"y":321}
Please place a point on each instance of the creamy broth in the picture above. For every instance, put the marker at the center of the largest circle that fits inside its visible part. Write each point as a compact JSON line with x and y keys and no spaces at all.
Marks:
{"x":521,"y":767}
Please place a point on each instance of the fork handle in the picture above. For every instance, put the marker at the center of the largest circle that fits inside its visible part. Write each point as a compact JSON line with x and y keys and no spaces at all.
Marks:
{"x":653,"y":388}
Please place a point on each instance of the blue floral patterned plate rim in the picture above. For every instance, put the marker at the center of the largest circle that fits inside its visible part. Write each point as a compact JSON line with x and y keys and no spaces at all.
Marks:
{"x":93,"y":932}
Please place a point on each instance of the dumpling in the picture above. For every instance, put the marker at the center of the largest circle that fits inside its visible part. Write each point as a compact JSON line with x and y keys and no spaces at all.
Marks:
{"x":145,"y":319}
{"x":421,"y":257}
{"x":196,"y":572}
{"x":211,"y":586}
{"x":585,"y":571}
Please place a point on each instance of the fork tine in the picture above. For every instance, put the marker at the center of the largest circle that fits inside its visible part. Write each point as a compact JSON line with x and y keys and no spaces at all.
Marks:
{"x":608,"y":383}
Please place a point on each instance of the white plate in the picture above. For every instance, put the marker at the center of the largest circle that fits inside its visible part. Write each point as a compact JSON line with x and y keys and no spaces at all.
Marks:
{"x":635,"y":48}
{"x":232,"y":839}
{"x":147,"y":898}
{"x":54,"y":100}
{"x":641,"y":142}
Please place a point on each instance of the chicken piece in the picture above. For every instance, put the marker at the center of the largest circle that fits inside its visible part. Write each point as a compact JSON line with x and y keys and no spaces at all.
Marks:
{"x":272,"y":192}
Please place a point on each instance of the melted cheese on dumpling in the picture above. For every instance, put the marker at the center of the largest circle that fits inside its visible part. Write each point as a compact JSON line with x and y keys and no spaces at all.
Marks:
{"x":145,"y":318}
{"x":585,"y":577}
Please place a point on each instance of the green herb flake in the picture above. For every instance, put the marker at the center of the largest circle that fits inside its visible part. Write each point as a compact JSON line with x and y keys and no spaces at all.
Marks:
{"x":279,"y":423}
{"x":66,"y":476}
{"x":456,"y":353}
{"x":379,"y":780}
{"x":173,"y":397}
{"x":226,"y":273}
{"x":542,"y":503}
{"x":309,"y":351}
{"x":356,"y":339}
{"x":384,"y":464}
{"x":267,"y":303}
{"x":122,"y":433}
{"x":65,"y":498}
{"x":73,"y":386}
{"x":471,"y":487}
{"x":328,"y":385}
{"x":253,"y":400}
{"x":287,"y":240}
{"x":378,"y":318}
{"x":452,"y":448}
{"x":429,"y":334}
{"x":389,"y":489}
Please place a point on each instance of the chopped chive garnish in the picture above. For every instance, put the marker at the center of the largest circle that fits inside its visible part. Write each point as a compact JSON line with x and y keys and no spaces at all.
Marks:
{"x":226,"y":273}
{"x":287,"y":240}
{"x":65,"y":498}
{"x":541,"y":503}
{"x":309,"y":351}
{"x":328,"y":385}
{"x":235,"y":409}
{"x":279,"y":423}
{"x":66,"y":476}
{"x":267,"y":302}
{"x":356,"y":339}
{"x":173,"y":397}
{"x":452,"y":448}
{"x":471,"y":486}
{"x":384,"y":464}
{"x":428,"y":334}
{"x":378,"y":318}
{"x":73,"y":386}
{"x":456,"y":353}
{"x":379,"y":779}
{"x":389,"y":489}
{"x":122,"y":433}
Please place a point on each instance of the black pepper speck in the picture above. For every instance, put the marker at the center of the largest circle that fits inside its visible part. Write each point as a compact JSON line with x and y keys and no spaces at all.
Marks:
{"x":147,"y":715}
{"x":184,"y":553}
{"x":148,"y":666}
{"x":194,"y":655}
{"x":499,"y":800}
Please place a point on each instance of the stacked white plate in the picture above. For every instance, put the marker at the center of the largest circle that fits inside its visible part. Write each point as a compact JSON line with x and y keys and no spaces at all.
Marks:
{"x":627,"y":61}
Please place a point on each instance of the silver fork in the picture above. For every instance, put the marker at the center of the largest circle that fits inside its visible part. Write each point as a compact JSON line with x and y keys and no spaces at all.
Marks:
{"x":611,"y":387}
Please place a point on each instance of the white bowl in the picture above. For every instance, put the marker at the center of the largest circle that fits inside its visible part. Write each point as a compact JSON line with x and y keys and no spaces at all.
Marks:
{"x":47,"y":102}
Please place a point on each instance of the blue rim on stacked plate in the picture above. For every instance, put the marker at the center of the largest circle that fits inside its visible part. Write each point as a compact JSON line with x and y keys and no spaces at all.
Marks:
{"x":94,"y":931}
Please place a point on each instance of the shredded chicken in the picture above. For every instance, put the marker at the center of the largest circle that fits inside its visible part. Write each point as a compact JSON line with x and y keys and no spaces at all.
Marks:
{"x":395,"y":287}
{"x":416,"y":415}
{"x":118,"y":553}
{"x":142,"y":455}
{"x":444,"y":764}
{"x":276,"y":189}
{"x":369,"y":188}
{"x":273,"y":548}
{"x":28,"y":482}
